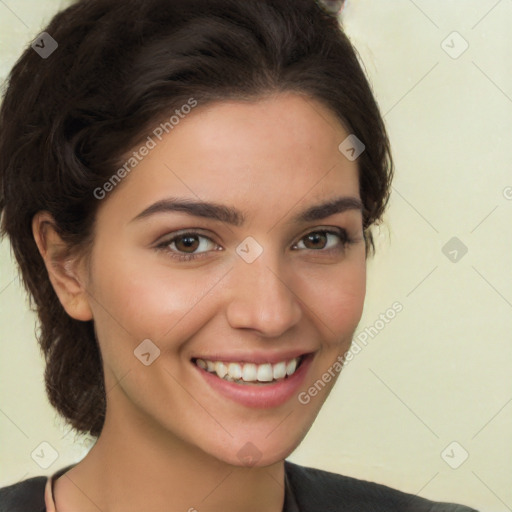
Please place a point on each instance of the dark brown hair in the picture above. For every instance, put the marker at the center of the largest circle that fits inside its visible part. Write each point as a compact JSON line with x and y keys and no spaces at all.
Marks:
{"x":67,"y":120}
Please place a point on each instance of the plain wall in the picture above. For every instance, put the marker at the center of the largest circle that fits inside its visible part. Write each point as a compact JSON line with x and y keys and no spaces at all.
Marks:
{"x":439,"y":371}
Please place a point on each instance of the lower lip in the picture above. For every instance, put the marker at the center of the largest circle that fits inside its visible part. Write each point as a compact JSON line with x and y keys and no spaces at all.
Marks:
{"x":259,"y":396}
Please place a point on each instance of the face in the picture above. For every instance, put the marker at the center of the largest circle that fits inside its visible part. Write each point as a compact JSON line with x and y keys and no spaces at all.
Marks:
{"x":262,"y":284}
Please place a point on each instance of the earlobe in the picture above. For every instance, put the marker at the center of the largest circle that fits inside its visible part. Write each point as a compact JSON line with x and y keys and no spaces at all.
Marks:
{"x":62,"y":266}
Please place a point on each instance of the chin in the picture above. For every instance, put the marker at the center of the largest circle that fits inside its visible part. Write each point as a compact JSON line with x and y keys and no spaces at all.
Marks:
{"x":259,"y":451}
{"x":251,"y":457}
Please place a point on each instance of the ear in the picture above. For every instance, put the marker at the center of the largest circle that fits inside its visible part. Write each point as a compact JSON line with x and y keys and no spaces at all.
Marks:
{"x":65,"y":271}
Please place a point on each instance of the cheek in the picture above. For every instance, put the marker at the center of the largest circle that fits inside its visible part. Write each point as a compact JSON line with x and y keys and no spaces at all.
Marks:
{"x":335,"y":296}
{"x":138,"y":298}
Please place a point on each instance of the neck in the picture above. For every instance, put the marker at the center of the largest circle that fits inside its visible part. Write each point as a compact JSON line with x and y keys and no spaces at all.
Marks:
{"x":135,"y":466}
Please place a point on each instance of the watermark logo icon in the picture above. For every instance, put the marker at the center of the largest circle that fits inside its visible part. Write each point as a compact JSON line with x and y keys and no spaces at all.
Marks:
{"x":44,"y":455}
{"x":454,"y":250}
{"x":44,"y":45}
{"x":249,"y":250}
{"x":454,"y":45}
{"x":147,"y":352}
{"x":351,"y":147}
{"x":454,"y":455}
{"x":249,"y":454}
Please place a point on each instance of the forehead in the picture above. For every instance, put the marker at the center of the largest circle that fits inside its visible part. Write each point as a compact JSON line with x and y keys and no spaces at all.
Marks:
{"x":275,"y":150}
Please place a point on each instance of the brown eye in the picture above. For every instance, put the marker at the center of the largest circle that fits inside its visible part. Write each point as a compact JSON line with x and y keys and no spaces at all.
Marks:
{"x":187,"y":246}
{"x":318,"y":240}
{"x":324,"y":240}
{"x":186,"y":243}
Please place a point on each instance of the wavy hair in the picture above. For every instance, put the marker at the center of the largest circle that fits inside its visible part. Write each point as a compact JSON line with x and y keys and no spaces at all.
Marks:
{"x":67,"y":120}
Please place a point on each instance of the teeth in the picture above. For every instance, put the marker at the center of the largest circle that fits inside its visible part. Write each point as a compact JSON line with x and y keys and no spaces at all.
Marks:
{"x":201,"y":363}
{"x":235,"y":370}
{"x":250,"y":372}
{"x":265,"y":373}
{"x":221,"y":369}
{"x":291,"y":367}
{"x":279,"y":370}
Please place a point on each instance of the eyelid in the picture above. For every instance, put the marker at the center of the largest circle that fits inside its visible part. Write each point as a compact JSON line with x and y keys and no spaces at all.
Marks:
{"x":337,"y":229}
{"x":171,"y":237}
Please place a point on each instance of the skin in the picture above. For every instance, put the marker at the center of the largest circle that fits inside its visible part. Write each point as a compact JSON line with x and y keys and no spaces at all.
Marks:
{"x":171,"y":442}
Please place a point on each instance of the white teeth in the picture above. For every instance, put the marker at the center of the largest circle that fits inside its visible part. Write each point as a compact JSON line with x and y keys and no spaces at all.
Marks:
{"x":235,"y":370}
{"x":291,"y":367}
{"x":221,"y":369}
{"x":250,"y":372}
{"x":265,"y":373}
{"x":279,"y":370}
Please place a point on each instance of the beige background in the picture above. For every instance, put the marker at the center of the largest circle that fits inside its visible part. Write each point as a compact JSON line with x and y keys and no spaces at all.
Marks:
{"x":440,"y":371}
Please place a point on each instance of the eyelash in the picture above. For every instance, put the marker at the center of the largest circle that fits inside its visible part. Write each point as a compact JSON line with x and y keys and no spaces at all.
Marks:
{"x":164,"y":246}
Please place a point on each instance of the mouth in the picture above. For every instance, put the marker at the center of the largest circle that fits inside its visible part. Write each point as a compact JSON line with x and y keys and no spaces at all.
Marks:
{"x":263,"y":386}
{"x":249,"y":373}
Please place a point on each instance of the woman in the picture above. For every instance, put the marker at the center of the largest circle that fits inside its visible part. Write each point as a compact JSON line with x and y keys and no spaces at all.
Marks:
{"x":189,"y":302}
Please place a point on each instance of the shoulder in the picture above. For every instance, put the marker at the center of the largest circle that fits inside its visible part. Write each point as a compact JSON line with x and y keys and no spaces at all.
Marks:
{"x":24,"y":496}
{"x":315,"y":489}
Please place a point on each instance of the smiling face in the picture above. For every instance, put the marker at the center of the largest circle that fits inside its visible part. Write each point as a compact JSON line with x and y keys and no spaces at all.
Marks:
{"x":272,"y":282}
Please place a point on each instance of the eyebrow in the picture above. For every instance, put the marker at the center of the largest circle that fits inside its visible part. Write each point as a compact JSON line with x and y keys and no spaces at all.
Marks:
{"x":235,"y":217}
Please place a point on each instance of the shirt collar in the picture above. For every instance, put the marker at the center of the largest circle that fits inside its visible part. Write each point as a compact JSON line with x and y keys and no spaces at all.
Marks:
{"x":290,"y":503}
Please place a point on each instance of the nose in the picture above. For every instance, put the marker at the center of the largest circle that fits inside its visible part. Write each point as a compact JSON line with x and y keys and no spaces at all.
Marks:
{"x":261,"y":299}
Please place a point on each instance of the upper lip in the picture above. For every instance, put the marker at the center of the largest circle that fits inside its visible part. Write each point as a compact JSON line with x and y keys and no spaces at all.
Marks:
{"x":254,"y":357}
